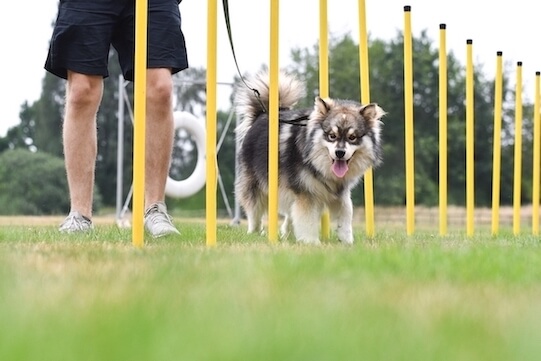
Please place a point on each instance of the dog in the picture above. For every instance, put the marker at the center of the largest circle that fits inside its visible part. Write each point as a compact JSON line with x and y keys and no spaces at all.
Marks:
{"x":323,"y":153}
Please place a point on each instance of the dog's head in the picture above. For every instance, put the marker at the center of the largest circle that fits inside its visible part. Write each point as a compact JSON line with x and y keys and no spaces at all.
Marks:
{"x":350,"y":132}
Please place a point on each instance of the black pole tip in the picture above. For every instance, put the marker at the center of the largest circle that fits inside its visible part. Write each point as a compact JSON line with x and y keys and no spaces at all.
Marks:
{"x":499,"y":53}
{"x":442,"y":26}
{"x":469,"y":41}
{"x":407,"y":8}
{"x":519,"y":63}
{"x":538,"y":73}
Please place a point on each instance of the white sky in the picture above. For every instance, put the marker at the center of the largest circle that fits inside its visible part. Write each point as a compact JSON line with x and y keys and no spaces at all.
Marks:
{"x":509,"y":26}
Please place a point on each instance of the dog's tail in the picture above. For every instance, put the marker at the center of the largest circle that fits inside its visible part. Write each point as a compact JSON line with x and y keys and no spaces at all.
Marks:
{"x":250,"y":104}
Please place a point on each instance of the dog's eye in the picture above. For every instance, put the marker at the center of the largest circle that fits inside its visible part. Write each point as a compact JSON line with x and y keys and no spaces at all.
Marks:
{"x":356,"y":138}
{"x":331,"y":136}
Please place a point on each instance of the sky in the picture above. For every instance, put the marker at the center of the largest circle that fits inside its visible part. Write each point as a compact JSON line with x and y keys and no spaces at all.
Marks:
{"x":508,"y":26}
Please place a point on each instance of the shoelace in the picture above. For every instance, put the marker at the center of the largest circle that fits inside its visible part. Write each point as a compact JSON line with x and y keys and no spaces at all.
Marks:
{"x":155,"y":215}
{"x":74,"y":222}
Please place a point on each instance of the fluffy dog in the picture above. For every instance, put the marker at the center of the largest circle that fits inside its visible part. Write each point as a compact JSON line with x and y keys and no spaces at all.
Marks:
{"x":323,"y":153}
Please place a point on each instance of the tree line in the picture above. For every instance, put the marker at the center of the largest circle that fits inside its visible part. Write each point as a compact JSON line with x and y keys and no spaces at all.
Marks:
{"x":38,"y":135}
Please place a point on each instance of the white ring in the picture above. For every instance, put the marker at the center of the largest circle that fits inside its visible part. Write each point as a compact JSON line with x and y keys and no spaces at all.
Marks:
{"x":196,"y":181}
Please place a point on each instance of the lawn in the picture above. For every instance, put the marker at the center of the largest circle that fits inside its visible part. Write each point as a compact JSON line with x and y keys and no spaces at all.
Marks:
{"x":393,"y":297}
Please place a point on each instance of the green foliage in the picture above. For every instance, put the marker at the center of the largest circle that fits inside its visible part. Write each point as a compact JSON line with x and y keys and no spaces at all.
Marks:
{"x":32,"y":183}
{"x":47,"y":116}
{"x":21,"y":136}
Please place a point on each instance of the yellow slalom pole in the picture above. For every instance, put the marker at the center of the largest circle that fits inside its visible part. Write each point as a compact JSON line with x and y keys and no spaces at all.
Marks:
{"x":140,"y":85}
{"x":443,"y":131}
{"x":408,"y":107}
{"x":365,"y":99}
{"x":324,"y":86}
{"x":517,"y":177}
{"x":536,"y":157}
{"x":497,"y":146}
{"x":273,"y":123}
{"x":211,"y":157}
{"x":470,"y":199}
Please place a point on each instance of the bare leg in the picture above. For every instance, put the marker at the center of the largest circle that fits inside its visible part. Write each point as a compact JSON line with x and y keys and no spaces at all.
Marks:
{"x":83,"y":96}
{"x":159,"y":133}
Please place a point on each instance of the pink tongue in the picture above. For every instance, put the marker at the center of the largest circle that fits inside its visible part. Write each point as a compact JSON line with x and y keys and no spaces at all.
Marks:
{"x":339,"y":168}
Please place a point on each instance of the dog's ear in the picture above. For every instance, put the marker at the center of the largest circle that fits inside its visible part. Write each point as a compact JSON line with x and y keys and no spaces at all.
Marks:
{"x":322,"y":105}
{"x":372,"y":112}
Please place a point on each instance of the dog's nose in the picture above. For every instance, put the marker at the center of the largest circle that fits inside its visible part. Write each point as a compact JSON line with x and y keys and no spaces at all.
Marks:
{"x":340,"y":153}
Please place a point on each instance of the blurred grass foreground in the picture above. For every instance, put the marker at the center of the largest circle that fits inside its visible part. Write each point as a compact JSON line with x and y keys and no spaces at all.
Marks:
{"x":393,"y":297}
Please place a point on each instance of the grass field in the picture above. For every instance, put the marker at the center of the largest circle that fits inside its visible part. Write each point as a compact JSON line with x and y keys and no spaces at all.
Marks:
{"x":394,"y":297}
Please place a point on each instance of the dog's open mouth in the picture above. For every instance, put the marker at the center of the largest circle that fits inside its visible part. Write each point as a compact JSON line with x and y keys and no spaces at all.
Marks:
{"x":340,"y":167}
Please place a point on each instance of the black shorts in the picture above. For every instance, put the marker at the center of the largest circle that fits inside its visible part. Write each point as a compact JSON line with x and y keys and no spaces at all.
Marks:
{"x":85,"y":31}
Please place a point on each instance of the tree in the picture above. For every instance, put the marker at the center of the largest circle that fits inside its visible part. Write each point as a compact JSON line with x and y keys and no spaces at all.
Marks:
{"x":47,"y":114}
{"x":191,"y":89}
{"x":32,"y":183}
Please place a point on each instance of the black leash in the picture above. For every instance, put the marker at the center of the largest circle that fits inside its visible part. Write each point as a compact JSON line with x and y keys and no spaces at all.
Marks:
{"x":296,"y":121}
{"x":225,"y":4}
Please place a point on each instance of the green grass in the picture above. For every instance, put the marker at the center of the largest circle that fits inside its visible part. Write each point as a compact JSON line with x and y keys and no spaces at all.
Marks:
{"x":394,"y":297}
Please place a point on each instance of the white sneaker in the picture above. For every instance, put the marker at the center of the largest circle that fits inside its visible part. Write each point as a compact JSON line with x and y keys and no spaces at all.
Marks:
{"x":157,"y":222}
{"x":75,"y":222}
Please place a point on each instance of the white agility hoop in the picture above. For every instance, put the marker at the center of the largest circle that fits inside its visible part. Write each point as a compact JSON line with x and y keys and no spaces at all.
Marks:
{"x":196,"y":181}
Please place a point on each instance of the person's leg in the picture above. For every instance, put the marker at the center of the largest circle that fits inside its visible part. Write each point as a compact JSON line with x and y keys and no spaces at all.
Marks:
{"x":79,"y":53}
{"x":83,"y":96}
{"x":159,"y":146}
{"x":159,"y":133}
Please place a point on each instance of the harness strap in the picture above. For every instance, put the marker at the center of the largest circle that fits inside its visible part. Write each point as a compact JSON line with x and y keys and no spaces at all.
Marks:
{"x":296,"y":121}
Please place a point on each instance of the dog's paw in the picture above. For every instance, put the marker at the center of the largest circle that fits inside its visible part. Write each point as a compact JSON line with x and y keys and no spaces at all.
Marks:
{"x":284,"y":234}
{"x":311,"y":241}
{"x":345,"y":235}
{"x":347,"y":242}
{"x":255,"y":230}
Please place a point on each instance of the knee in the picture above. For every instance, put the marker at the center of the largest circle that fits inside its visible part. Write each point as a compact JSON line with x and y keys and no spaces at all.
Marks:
{"x":160,"y":88}
{"x":84,"y":91}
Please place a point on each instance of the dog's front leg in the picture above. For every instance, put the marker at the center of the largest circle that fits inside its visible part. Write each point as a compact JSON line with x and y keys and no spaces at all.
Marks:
{"x":286,"y":227}
{"x":306,"y":216}
{"x":254,"y":224}
{"x":254,"y":215}
{"x":342,"y":212}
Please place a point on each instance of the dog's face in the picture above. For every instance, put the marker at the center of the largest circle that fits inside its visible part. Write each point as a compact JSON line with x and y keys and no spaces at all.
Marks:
{"x":350,"y":133}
